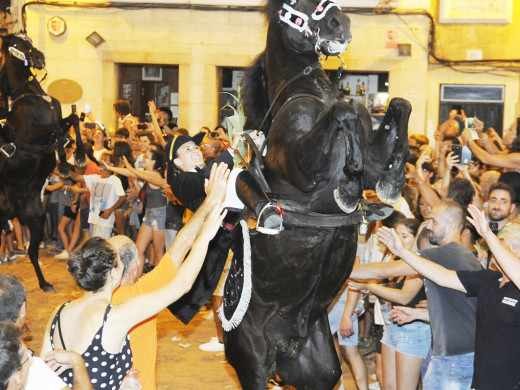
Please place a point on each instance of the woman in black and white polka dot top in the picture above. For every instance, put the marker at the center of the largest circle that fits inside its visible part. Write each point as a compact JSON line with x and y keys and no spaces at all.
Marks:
{"x":98,"y":330}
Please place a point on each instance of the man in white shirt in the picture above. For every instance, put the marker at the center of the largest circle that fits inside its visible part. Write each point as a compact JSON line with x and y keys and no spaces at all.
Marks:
{"x":106,"y":196}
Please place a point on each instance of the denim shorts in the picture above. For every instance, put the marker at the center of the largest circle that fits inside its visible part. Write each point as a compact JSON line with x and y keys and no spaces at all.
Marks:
{"x":413,"y":339}
{"x":155,"y":218}
{"x":449,"y":372}
{"x":124,"y":207}
{"x":335,"y":314}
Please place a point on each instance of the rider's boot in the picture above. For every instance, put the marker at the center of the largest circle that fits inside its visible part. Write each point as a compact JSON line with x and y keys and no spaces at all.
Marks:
{"x":269,"y":216}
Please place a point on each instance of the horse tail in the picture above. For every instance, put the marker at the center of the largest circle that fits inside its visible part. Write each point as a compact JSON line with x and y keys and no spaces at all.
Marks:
{"x":254,"y":96}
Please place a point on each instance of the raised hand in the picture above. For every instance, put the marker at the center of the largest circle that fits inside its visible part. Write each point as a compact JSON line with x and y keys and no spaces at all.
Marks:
{"x":478,"y":219}
{"x":60,"y":360}
{"x":216,"y":185}
{"x":151,"y":107}
{"x":391,"y":239}
{"x":451,"y":160}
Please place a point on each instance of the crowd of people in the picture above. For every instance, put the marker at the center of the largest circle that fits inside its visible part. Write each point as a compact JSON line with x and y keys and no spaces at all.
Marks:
{"x":436,"y":280}
{"x":434,"y":288}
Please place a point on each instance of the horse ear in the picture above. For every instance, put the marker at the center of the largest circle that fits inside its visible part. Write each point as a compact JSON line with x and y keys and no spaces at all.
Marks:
{"x":271,"y":9}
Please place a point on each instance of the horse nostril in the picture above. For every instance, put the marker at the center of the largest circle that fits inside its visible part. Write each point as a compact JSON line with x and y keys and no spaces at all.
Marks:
{"x":334,"y":23}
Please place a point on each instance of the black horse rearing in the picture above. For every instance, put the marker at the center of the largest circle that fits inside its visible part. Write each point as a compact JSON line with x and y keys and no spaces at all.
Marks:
{"x":322,"y":153}
{"x":36,"y":129}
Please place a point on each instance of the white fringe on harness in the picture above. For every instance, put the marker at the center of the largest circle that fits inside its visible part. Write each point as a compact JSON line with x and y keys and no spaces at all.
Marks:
{"x":245,"y":297}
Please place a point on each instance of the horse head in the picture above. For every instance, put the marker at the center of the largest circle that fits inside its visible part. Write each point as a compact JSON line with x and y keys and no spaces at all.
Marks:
{"x":20,"y":47}
{"x":312,"y":25}
{"x":19,"y":58}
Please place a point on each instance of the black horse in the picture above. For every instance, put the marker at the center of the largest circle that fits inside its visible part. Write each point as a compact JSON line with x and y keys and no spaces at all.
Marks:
{"x":33,"y":131}
{"x":322,"y":153}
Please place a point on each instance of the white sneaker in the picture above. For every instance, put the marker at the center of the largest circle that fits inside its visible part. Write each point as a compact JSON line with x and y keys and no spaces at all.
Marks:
{"x":374,"y":386}
{"x":213,"y":346}
{"x":64,"y":255}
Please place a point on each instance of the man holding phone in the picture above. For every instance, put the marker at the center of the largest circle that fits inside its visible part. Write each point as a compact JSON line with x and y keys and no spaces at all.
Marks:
{"x":501,"y":206}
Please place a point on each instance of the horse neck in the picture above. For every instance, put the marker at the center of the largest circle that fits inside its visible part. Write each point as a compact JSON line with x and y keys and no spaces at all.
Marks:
{"x":21,"y":81}
{"x":283,"y":64}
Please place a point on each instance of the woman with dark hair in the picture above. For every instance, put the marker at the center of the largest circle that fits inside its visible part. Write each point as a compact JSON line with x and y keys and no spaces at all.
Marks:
{"x":404,"y":347}
{"x":152,"y":228}
{"x":99,"y":330}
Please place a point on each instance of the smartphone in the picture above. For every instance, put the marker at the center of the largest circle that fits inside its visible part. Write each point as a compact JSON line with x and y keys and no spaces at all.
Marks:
{"x":493,"y":226}
{"x":457,"y":107}
{"x":89,"y":125}
{"x":87,"y":108}
{"x":82,"y":117}
{"x":463,"y":153}
{"x":470,"y":124}
{"x":147,"y":118}
{"x":142,"y":126}
{"x":73,"y":108}
{"x":101,"y":212}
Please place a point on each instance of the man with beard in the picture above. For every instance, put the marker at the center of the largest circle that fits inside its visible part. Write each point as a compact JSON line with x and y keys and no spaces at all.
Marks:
{"x":501,"y":204}
{"x":451,"y":313}
{"x":498,"y":312}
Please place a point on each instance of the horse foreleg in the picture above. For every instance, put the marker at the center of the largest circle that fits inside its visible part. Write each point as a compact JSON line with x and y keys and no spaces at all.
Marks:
{"x":388,"y":152}
{"x":350,"y":189}
{"x":314,"y":150}
{"x":63,"y":166}
{"x":36,"y":228}
{"x":315,"y":365}
{"x":73,"y":120}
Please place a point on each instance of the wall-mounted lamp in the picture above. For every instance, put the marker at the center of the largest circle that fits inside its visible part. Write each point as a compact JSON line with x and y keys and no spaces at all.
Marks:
{"x":404,"y":49}
{"x":95,"y":39}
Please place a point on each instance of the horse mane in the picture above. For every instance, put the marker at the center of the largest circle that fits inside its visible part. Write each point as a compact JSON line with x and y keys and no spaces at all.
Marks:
{"x":254,"y":96}
{"x":271,"y":9}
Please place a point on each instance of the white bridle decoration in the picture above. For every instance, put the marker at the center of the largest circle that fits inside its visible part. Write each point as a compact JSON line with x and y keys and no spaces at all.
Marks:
{"x":300,"y":21}
{"x":18,"y":54}
{"x":323,"y":7}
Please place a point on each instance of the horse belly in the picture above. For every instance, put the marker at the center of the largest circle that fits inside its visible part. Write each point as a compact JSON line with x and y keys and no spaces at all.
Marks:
{"x":302,"y":268}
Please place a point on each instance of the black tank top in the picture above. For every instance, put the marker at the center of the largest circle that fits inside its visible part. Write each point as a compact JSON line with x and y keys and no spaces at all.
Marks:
{"x":106,"y":371}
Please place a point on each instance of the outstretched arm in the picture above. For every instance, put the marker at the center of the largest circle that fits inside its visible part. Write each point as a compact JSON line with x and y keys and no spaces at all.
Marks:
{"x":508,"y":261}
{"x":382,"y":270}
{"x":511,"y":160}
{"x":187,"y":235}
{"x":149,"y":176}
{"x":134,"y":310}
{"x":404,"y":315}
{"x":436,"y":273}
{"x":411,"y":287}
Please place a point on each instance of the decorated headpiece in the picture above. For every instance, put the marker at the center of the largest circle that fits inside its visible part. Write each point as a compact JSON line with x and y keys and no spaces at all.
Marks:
{"x":300,"y":21}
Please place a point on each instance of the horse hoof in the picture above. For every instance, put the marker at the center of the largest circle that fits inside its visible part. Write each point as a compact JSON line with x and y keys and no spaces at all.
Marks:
{"x":48,"y":288}
{"x":387,"y":192}
{"x":345,"y":206}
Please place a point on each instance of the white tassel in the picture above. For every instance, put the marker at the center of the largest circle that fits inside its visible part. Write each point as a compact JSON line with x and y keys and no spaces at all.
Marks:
{"x":243,"y":303}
